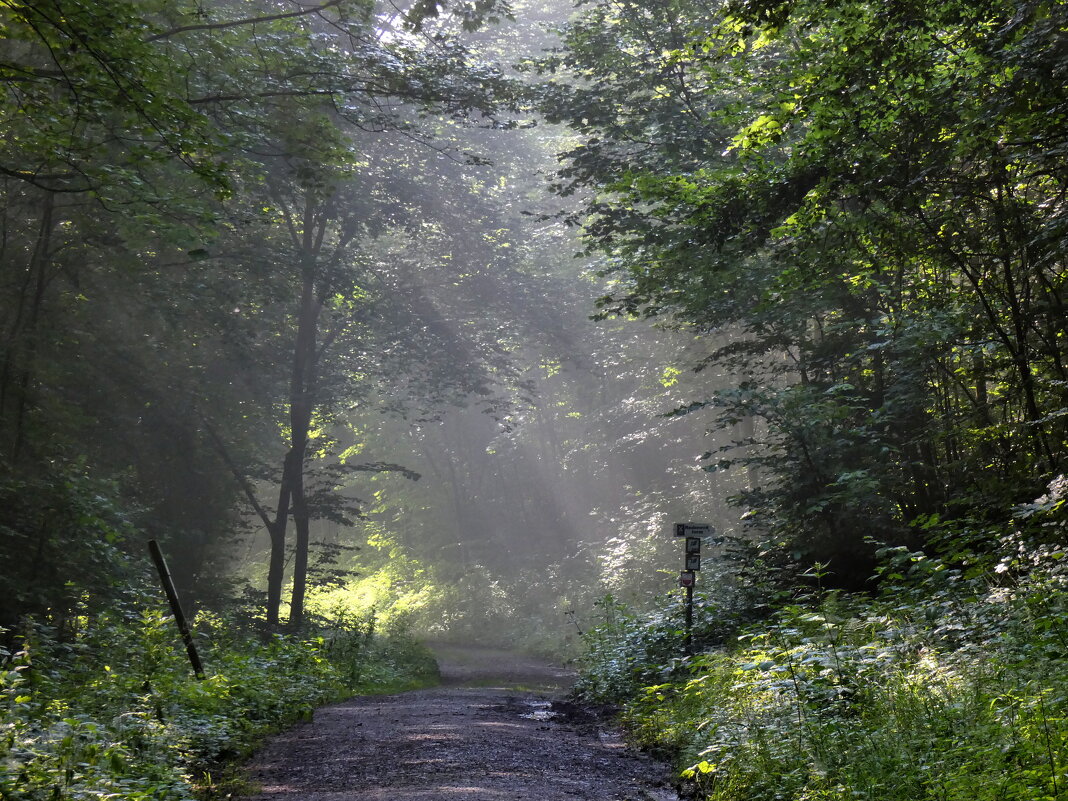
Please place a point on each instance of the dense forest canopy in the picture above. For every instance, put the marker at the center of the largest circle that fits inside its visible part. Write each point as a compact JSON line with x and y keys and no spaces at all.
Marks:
{"x":304,"y":291}
{"x":396,"y":319}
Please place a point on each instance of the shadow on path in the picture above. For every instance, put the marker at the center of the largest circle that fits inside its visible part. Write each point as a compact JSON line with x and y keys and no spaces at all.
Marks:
{"x":488,"y":733}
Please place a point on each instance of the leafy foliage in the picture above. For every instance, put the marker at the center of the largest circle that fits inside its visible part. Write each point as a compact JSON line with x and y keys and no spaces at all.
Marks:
{"x":628,"y":649}
{"x":115,"y":711}
{"x":866,"y":201}
{"x":944,"y":686}
{"x":174,"y":240}
{"x":62,"y":539}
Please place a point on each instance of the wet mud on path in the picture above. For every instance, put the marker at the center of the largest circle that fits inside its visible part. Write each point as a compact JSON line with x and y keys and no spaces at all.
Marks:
{"x":489,"y":732}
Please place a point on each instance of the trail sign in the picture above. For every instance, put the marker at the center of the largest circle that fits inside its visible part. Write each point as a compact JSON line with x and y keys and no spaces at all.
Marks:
{"x":691,"y":555}
{"x":694,"y":530}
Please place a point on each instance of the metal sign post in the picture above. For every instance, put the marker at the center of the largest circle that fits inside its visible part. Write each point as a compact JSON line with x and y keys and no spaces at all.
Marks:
{"x":691,"y":559}
{"x":686,"y":580}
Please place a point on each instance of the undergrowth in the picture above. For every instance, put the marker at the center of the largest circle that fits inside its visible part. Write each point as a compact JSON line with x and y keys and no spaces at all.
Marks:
{"x":109,"y":709}
{"x":951,"y":685}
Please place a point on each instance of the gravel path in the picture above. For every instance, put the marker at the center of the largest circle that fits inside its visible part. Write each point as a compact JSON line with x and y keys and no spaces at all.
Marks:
{"x":489,"y":733}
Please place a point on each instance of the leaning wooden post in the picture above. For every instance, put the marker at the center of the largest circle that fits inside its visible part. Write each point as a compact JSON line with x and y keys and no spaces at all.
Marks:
{"x":176,"y":607}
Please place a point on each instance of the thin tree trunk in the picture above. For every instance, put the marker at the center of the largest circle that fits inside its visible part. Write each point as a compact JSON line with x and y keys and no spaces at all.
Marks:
{"x":277,"y":532}
{"x":301,"y":405}
{"x":276,"y":527}
{"x":302,"y":525}
{"x":17,"y":373}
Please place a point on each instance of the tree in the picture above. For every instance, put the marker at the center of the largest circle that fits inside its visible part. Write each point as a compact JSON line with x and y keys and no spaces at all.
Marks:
{"x":121,"y":171}
{"x":864,"y":196}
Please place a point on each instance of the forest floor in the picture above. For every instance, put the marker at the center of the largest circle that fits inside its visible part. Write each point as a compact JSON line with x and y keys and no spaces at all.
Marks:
{"x":490,"y":731}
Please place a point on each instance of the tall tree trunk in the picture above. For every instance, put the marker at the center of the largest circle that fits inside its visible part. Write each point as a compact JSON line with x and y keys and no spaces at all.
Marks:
{"x":20,"y":349}
{"x":277,"y":532}
{"x":301,"y":405}
{"x":276,"y":526}
{"x":302,"y":525}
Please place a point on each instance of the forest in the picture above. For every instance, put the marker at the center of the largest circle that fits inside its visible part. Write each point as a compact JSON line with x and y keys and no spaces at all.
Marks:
{"x":397,"y":322}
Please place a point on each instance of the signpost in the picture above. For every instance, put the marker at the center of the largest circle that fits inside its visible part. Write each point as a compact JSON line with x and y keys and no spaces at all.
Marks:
{"x":691,"y":559}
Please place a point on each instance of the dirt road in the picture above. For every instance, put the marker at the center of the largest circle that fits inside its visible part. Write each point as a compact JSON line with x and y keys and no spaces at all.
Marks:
{"x":488,"y":733}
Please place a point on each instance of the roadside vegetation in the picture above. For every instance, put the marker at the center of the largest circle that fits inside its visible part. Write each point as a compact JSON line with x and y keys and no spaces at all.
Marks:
{"x":948,"y":683}
{"x":105,"y":705}
{"x":291,"y":289}
{"x":868,"y":201}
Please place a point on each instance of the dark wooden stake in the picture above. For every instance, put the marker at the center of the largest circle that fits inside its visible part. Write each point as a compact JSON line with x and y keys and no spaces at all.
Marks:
{"x":176,"y":608}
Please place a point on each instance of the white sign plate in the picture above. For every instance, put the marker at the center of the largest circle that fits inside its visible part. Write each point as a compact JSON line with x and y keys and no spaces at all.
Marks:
{"x":694,"y":530}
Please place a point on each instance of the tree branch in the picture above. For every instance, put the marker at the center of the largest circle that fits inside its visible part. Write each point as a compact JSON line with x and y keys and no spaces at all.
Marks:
{"x":242,"y":479}
{"x":212,"y":26}
{"x":260,"y":95}
{"x":41,"y":181}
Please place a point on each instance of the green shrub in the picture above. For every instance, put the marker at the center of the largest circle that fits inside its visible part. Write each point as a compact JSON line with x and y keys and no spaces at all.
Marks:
{"x":628,"y":650}
{"x":62,"y":539}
